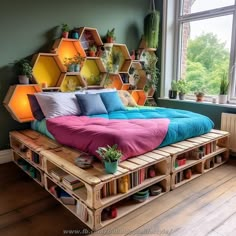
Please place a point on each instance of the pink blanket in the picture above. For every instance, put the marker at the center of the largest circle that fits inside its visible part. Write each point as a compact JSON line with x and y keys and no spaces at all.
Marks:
{"x":133,"y":137}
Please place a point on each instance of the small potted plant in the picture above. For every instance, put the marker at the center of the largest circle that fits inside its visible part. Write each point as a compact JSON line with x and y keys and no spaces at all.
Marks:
{"x":199,"y":96}
{"x":110,"y":37}
{"x":69,"y":63}
{"x":24,"y":70}
{"x":65,"y":30}
{"x":224,"y":85}
{"x":111,"y":156}
{"x":182,"y":88}
{"x":78,"y":61}
{"x":173,"y":90}
{"x":92,"y":50}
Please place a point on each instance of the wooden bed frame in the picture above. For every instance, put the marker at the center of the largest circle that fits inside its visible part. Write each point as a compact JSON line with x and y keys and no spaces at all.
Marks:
{"x":101,"y":200}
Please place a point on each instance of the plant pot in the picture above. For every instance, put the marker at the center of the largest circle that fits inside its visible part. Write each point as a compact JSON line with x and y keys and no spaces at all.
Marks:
{"x":65,"y":34}
{"x":181,"y":96}
{"x":110,"y":40}
{"x":77,"y":67}
{"x":223,"y":99}
{"x":199,"y":98}
{"x":172,"y":94}
{"x":92,"y":53}
{"x":111,"y":167}
{"x":71,"y":68}
{"x":23,"y":79}
{"x":75,"y":35}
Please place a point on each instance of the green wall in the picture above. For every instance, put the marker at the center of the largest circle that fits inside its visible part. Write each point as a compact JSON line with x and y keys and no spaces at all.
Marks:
{"x":30,"y":26}
{"x":213,"y":111}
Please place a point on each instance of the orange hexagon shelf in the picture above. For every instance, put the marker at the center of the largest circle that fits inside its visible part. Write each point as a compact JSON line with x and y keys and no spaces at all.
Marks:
{"x":93,"y":71}
{"x":71,"y":83}
{"x":139,"y":96}
{"x":67,"y":48}
{"x":17,"y":103}
{"x":47,"y":69}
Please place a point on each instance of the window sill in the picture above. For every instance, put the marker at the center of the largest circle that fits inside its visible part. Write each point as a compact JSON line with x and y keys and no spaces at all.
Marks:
{"x":199,"y":103}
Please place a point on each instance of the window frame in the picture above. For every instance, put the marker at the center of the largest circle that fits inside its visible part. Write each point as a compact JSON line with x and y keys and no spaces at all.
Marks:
{"x":181,"y":19}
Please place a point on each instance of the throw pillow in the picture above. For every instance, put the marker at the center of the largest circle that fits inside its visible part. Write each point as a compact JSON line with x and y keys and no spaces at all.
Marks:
{"x":35,"y":107}
{"x":112,"y":101}
{"x":128,"y":96}
{"x":91,"y":104}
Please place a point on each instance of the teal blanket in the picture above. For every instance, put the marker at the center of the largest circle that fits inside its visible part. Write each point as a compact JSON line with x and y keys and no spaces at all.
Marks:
{"x":183,"y":124}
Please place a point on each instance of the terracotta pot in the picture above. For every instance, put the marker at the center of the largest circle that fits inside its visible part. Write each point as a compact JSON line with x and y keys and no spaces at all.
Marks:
{"x":199,"y":98}
{"x":92,"y":53}
{"x":110,"y":40}
{"x":65,"y":34}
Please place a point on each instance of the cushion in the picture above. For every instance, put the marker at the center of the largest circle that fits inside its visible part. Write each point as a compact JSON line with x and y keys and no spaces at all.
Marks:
{"x":112,"y":101}
{"x":35,"y":107}
{"x":105,"y":90}
{"x":91,"y":104}
{"x":58,"y":104}
{"x":128,"y":96}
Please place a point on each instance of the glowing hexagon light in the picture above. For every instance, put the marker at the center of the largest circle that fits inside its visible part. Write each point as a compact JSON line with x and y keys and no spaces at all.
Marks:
{"x":47,"y":69}
{"x":17,"y":103}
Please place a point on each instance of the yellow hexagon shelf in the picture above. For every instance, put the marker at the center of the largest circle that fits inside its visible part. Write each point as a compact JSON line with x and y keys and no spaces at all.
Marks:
{"x":67,"y":48}
{"x":47,"y":69}
{"x":17,"y":103}
{"x":93,"y":71}
{"x":71,"y":83}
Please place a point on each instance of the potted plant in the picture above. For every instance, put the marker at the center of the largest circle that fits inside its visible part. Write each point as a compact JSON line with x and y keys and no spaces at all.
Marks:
{"x":199,"y":96}
{"x":69,"y":64}
{"x":224,"y":85}
{"x":92,"y":50}
{"x":78,"y":61}
{"x":182,"y":88}
{"x":110,"y":37}
{"x":111,"y":156}
{"x":24,"y":70}
{"x":173,"y":90}
{"x":65,"y":30}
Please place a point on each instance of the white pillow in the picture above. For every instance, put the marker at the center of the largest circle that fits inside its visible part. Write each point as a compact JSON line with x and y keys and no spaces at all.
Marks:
{"x":105,"y":90}
{"x":58,"y":104}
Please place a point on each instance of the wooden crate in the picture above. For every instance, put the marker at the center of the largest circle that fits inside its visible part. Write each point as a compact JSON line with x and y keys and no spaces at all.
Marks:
{"x":94,"y":179}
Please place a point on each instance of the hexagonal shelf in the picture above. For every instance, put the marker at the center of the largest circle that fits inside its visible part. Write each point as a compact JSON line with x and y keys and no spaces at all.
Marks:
{"x":137,"y":75}
{"x":17,"y":103}
{"x":89,"y":36}
{"x":114,"y":81}
{"x":47,"y":69}
{"x":71,"y":83}
{"x":93,"y":71}
{"x":139,"y":96}
{"x":67,"y":48}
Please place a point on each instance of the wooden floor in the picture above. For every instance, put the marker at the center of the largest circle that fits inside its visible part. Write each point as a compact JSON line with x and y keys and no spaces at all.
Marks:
{"x":204,"y":206}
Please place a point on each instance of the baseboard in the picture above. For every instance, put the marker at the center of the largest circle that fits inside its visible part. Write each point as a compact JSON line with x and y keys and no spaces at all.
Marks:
{"x":5,"y":156}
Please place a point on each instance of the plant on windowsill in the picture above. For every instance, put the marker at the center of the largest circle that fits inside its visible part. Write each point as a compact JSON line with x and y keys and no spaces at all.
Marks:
{"x":173,"y":90}
{"x":24,"y":70}
{"x":182,"y":88}
{"x":111,"y":156}
{"x":199,"y":95}
{"x":224,"y":85}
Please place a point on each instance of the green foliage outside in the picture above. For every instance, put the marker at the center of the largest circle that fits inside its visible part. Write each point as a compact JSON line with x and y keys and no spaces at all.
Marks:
{"x":207,"y":61}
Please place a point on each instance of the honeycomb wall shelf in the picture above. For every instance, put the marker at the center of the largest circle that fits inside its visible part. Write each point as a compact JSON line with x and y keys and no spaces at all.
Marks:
{"x":139,"y":96}
{"x":47,"y":68}
{"x":71,"y":82}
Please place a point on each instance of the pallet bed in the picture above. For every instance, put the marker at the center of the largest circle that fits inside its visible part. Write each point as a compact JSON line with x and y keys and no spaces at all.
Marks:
{"x":101,"y":193}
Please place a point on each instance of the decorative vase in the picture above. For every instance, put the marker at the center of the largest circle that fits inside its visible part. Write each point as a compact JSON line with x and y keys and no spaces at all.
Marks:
{"x":76,"y":67}
{"x":111,"y":167}
{"x":75,"y":35}
{"x":172,"y":94}
{"x":223,"y":99}
{"x":23,"y":79}
{"x":71,"y":67}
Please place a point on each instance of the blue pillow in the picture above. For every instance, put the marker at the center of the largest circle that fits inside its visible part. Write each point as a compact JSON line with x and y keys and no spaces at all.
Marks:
{"x":35,"y":107}
{"x":91,"y":104}
{"x":112,"y":101}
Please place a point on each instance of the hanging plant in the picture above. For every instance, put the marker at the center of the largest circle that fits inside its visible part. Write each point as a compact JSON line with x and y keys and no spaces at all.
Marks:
{"x":151,"y":27}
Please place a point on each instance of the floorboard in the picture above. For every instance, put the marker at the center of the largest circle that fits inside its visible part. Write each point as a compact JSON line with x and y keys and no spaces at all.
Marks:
{"x":204,"y":206}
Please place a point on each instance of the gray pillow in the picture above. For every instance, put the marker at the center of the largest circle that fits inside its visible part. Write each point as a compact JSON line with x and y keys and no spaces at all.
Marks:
{"x":58,"y":104}
{"x":91,"y":104}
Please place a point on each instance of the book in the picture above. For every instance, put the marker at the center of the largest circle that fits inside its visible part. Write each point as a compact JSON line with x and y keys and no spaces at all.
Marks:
{"x":68,"y":200}
{"x":71,"y":182}
{"x":58,"y":173}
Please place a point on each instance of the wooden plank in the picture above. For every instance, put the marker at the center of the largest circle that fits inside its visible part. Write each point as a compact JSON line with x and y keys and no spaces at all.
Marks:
{"x":138,"y":161}
{"x":198,"y":140}
{"x":154,"y":155}
{"x":158,"y":151}
{"x":184,"y":145}
{"x":128,"y":165}
{"x":219,"y":132}
{"x":147,"y":159}
{"x":30,"y":133}
{"x":171,"y":150}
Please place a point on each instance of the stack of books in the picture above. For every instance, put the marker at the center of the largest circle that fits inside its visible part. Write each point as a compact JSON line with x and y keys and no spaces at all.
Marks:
{"x":58,"y":173}
{"x":71,"y":182}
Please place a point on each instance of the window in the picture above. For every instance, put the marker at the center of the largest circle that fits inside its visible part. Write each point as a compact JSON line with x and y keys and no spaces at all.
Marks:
{"x":206,"y":44}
